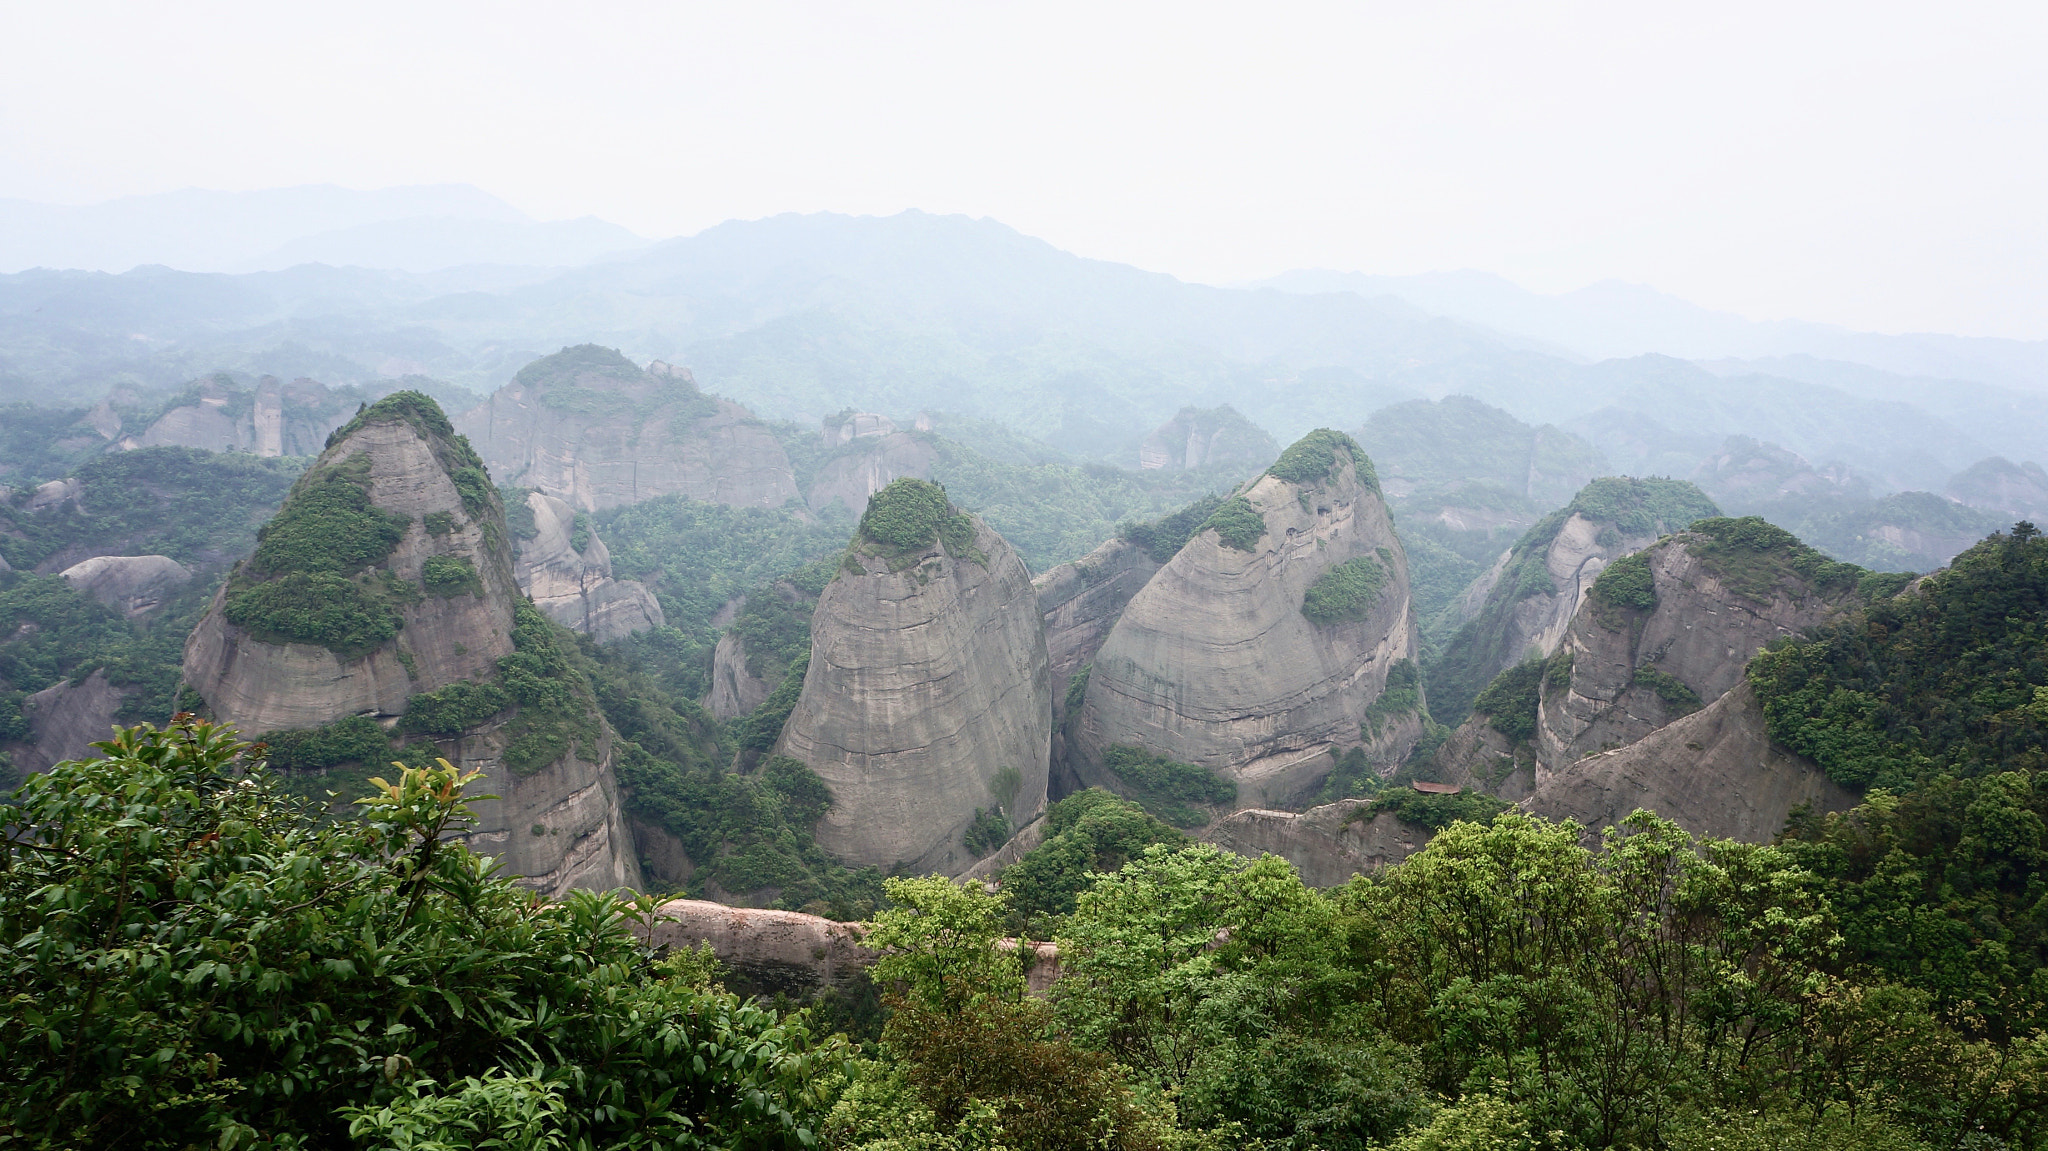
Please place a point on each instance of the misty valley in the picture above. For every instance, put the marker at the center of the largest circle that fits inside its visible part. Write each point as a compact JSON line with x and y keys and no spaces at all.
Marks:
{"x":885,"y":683}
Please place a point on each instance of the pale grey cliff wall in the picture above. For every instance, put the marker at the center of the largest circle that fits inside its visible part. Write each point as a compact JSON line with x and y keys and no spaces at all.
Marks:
{"x":64,"y":721}
{"x":559,"y":827}
{"x":1081,"y":600}
{"x":869,"y":465}
{"x":1715,"y":772}
{"x":576,"y":589}
{"x":1702,"y":633}
{"x":1214,"y":664}
{"x":600,"y":438}
{"x":277,"y":419}
{"x":925,"y":684}
{"x":734,"y":690}
{"x":1327,"y":845}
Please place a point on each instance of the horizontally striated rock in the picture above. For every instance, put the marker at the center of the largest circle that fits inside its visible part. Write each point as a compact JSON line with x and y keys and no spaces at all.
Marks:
{"x":64,"y":721}
{"x":927,"y":696}
{"x":1535,"y":594}
{"x":869,"y":465}
{"x":1715,"y":772}
{"x":397,"y":474}
{"x":1720,"y":595}
{"x":1204,"y":437}
{"x":589,"y":427}
{"x":271,"y":419}
{"x":135,"y":586}
{"x":1327,"y":845}
{"x":1081,"y":600}
{"x":1215,"y":662}
{"x":576,"y":589}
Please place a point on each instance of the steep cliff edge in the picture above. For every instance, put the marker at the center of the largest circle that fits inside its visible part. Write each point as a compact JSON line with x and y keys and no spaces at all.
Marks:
{"x":1261,"y":648}
{"x":573,"y":585}
{"x":591,"y":428}
{"x":1535,"y":594}
{"x":1080,"y":601}
{"x":1669,"y":629}
{"x":384,"y":589}
{"x":927,"y":698}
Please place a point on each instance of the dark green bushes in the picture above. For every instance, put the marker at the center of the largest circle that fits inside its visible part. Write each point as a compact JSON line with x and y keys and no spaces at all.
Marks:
{"x":1310,"y":459}
{"x":1681,"y":699}
{"x":1345,"y":592}
{"x":989,"y":830}
{"x":1237,"y":523}
{"x":351,"y":739}
{"x":346,"y":616}
{"x":450,"y":575}
{"x":328,"y":525}
{"x":1164,"y":537}
{"x":907,"y":515}
{"x":1752,"y":558}
{"x":1509,"y":703}
{"x":1437,"y":812}
{"x":1166,"y":788}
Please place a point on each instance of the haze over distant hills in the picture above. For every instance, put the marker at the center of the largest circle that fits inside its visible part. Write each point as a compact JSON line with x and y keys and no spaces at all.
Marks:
{"x":413,"y":229}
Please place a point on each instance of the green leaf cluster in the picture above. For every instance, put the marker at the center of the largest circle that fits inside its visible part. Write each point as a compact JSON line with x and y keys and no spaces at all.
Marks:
{"x":1346,"y":592}
{"x":1510,"y":702}
{"x":1682,"y":700}
{"x":1752,"y":558}
{"x":450,"y":575}
{"x":1166,"y":788}
{"x":1164,"y":537}
{"x":1310,"y":459}
{"x":1237,"y":523}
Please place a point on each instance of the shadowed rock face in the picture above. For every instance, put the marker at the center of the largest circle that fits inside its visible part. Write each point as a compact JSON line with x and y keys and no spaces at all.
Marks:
{"x":592,"y":429}
{"x":558,"y":827}
{"x":1701,"y":633}
{"x":66,"y":720}
{"x":1214,"y":664}
{"x":576,"y":589}
{"x":734,"y":689}
{"x":925,"y":684}
{"x":1327,"y":845}
{"x":1714,"y":773}
{"x":871,"y":464}
{"x":1082,"y":600}
{"x":135,"y":586}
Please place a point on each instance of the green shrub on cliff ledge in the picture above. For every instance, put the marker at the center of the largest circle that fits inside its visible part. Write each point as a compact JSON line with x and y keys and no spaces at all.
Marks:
{"x":328,"y":524}
{"x":1167,"y":788}
{"x":1345,"y":592}
{"x":910,"y":515}
{"x":1310,"y":459}
{"x":335,"y":612}
{"x":1627,"y":584}
{"x":1238,"y":524}
{"x":1509,"y":703}
{"x":450,"y":575}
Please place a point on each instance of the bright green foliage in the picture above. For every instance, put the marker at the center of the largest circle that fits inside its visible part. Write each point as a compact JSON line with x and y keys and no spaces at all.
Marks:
{"x":1166,"y":788}
{"x":1354,"y":775}
{"x":346,"y":616}
{"x":1474,"y":1123}
{"x":1437,"y":812}
{"x":1941,"y":681}
{"x":1088,"y":832}
{"x":1627,"y":584}
{"x":1164,"y":537}
{"x":328,"y":525}
{"x":1310,"y":459}
{"x":910,"y":515}
{"x":1681,"y":699}
{"x":1221,"y":982}
{"x":1237,"y":523}
{"x":1345,"y":592}
{"x":450,"y":575}
{"x":193,"y":960}
{"x":1509,"y":703}
{"x":555,"y":711}
{"x":453,"y":709}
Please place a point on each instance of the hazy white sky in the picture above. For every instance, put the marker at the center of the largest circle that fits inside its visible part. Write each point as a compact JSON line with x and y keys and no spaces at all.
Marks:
{"x":1872,"y":164}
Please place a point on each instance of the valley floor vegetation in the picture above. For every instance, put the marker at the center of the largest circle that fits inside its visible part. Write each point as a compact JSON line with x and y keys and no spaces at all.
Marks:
{"x":195,"y":958}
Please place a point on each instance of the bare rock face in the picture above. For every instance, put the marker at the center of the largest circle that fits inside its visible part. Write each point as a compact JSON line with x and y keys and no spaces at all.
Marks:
{"x":1717,"y":603}
{"x":1081,"y":601}
{"x":1714,"y":773}
{"x":135,"y":586}
{"x":876,"y":460}
{"x":1327,"y":845}
{"x":734,"y":689}
{"x":1477,"y":757}
{"x":927,"y":694}
{"x":1217,"y":662}
{"x":305,"y":652}
{"x":589,"y":427}
{"x":768,"y":950}
{"x":1198,"y":437}
{"x":66,"y":720}
{"x":576,"y":589}
{"x":273,"y":419}
{"x":1534,"y":594}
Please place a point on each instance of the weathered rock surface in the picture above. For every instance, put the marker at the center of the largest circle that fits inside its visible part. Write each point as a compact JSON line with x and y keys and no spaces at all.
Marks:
{"x":66,"y":720}
{"x":1702,"y":632}
{"x":1081,"y":601}
{"x":872,"y":464}
{"x":273,"y":419}
{"x":576,"y":589}
{"x":768,"y":950}
{"x":1199,"y":437}
{"x":135,"y":586}
{"x":927,"y":685}
{"x":734,"y":689}
{"x":1715,"y":772}
{"x":1327,"y":845}
{"x":1213,"y":663}
{"x":589,"y":427}
{"x":1021,"y":843}
{"x":560,"y":826}
{"x":1477,"y":757}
